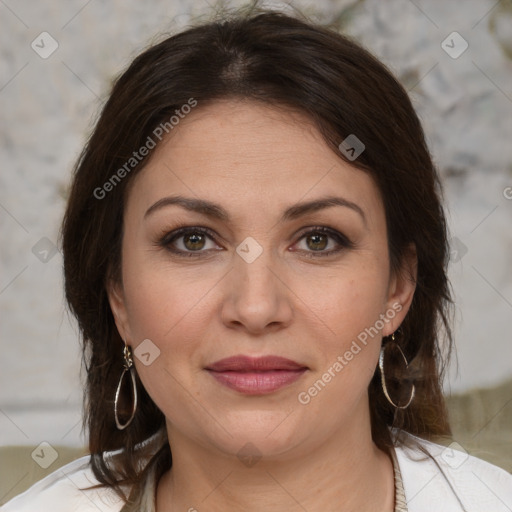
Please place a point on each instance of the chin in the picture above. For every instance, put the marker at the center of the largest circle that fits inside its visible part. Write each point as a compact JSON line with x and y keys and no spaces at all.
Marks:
{"x":271,"y":434}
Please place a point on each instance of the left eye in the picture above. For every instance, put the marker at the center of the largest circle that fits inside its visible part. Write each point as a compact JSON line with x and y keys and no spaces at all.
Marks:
{"x":317,"y":241}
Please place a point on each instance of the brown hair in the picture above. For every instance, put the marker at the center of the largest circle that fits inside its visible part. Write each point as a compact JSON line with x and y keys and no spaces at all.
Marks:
{"x":280,"y":60}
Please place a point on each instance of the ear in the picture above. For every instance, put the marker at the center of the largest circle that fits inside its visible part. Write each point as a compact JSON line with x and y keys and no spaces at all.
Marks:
{"x":117,"y":303}
{"x":401,"y":289}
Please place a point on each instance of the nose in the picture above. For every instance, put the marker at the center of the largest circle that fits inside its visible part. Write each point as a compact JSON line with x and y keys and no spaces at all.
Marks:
{"x":256,"y":297}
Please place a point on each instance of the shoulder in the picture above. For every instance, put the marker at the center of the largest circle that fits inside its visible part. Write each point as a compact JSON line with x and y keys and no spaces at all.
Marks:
{"x":436,"y":477}
{"x":66,"y":489}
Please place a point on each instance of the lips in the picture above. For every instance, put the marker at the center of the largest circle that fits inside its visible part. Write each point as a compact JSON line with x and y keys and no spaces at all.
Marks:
{"x":254,"y":364}
{"x":256,"y":375}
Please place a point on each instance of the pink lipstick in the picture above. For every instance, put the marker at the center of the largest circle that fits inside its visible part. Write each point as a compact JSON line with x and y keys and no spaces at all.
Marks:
{"x":256,"y":375}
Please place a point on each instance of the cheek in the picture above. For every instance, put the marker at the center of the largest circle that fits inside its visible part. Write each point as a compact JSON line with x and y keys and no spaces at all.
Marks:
{"x":349,"y":301}
{"x":172,"y":308}
{"x":171,"y":314}
{"x":160,"y":296}
{"x":351,"y":304}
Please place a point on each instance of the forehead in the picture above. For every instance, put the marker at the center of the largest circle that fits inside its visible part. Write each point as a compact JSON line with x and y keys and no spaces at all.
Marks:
{"x":248,"y":155}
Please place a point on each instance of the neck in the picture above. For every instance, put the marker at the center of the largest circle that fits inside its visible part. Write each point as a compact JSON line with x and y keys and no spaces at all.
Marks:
{"x":347,"y":472}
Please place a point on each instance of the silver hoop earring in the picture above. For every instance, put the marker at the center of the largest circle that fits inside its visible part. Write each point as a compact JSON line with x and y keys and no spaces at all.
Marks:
{"x":128,"y":367}
{"x":393,"y":344}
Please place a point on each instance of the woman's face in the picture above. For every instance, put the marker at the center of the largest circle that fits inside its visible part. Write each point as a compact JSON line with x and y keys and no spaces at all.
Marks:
{"x":264,"y":268}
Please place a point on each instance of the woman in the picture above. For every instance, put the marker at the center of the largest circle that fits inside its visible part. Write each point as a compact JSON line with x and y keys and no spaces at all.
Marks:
{"x":255,"y":250}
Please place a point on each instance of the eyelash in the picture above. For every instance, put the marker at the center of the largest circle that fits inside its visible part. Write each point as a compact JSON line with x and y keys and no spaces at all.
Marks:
{"x":167,"y":239}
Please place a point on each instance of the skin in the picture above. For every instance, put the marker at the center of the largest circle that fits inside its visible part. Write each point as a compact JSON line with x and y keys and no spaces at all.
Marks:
{"x":255,"y":161}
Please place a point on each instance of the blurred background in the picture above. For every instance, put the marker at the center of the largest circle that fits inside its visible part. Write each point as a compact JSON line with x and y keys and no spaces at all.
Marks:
{"x":58,"y":61}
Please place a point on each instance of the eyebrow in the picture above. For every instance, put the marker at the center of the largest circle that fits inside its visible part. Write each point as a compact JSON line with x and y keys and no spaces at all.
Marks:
{"x":216,"y":211}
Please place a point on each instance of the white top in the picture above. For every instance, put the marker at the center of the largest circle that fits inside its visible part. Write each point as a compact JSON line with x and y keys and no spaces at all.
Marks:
{"x":447,"y":481}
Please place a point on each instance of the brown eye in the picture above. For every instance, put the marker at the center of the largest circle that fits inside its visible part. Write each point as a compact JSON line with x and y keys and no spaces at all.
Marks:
{"x":317,"y":241}
{"x":322,"y":241}
{"x":194,"y":241}
{"x":189,"y":241}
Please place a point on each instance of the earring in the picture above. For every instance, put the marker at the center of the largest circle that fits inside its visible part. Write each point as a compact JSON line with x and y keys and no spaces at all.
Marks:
{"x":128,"y":367}
{"x":393,"y":345}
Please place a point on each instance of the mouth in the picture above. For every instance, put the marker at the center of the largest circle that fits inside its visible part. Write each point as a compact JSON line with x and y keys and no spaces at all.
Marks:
{"x":256,"y":375}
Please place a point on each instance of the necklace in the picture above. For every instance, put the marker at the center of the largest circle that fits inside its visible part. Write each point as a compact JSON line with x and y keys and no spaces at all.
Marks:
{"x":400,"y":501}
